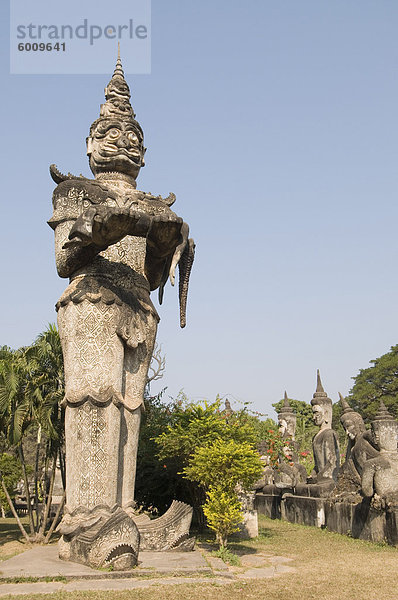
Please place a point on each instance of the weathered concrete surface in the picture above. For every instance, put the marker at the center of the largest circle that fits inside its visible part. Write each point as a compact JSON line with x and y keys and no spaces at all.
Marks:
{"x":263,"y":566}
{"x":10,"y":589}
{"x":166,"y":568}
{"x":269,"y":504}
{"x":303,"y":510}
{"x":43,"y":561}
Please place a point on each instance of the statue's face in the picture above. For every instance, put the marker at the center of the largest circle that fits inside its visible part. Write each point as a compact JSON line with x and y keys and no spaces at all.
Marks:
{"x":318,"y":414}
{"x":116,"y":145}
{"x":282,"y":426}
{"x":385,"y":435}
{"x":351,"y":427}
{"x":287,"y":425}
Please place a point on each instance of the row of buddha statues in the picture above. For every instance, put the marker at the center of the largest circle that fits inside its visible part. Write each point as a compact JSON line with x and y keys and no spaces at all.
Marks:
{"x":370,"y":468}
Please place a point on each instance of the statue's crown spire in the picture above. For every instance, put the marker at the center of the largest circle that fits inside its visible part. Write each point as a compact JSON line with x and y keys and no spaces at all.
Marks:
{"x":118,"y":72}
{"x":319,"y":386}
{"x":286,"y":408}
{"x":383,"y":414}
{"x":319,"y":396}
{"x":345,"y":406}
{"x":117,"y":95}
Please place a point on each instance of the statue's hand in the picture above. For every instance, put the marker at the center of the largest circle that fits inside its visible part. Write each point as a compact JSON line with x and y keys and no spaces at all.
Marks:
{"x":105,"y":225}
{"x":165,"y":232}
{"x":110,"y":224}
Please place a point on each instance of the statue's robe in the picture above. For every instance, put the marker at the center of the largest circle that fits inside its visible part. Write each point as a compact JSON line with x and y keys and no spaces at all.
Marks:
{"x":326,"y":455}
{"x":107,"y":324}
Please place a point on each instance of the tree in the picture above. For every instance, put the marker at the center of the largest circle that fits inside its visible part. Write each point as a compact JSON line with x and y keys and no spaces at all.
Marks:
{"x":219,"y":467}
{"x":156,"y":367}
{"x":375,"y":383}
{"x":224,"y":464}
{"x":156,"y":484}
{"x":48,"y":387}
{"x":223,"y":512}
{"x":11,"y":471}
{"x":16,"y":412}
{"x":195,"y":427}
{"x":31,"y":387}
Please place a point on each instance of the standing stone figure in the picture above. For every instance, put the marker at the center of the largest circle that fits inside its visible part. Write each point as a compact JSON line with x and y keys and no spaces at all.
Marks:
{"x":324,"y":444}
{"x":287,"y":420}
{"x":115,"y":244}
{"x":380,"y":474}
{"x":290,"y":472}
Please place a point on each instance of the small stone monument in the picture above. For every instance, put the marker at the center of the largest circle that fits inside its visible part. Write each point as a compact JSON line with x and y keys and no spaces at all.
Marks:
{"x":380,"y":474}
{"x":325,"y":444}
{"x":115,"y":244}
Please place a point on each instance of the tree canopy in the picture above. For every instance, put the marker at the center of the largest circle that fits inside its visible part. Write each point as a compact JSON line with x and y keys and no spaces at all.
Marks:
{"x":375,"y":383}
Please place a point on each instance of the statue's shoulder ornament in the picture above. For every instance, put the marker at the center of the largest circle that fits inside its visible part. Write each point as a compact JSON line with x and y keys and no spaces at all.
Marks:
{"x":74,"y":194}
{"x":154,"y":205}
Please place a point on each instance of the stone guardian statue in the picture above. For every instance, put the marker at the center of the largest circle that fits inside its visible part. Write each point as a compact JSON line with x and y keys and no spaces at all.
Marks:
{"x":115,"y":244}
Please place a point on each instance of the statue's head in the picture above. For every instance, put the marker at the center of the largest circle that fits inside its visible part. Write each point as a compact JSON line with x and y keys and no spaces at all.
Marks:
{"x":287,"y":419}
{"x":321,"y":405}
{"x":385,"y":429}
{"x":351,"y":421}
{"x":116,"y":140}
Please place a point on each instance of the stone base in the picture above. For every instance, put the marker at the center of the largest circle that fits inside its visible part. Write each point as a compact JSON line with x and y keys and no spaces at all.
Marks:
{"x":357,"y":519}
{"x":249,"y":528}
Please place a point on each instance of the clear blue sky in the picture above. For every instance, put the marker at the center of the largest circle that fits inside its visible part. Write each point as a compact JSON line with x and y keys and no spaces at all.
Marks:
{"x":276,"y":125}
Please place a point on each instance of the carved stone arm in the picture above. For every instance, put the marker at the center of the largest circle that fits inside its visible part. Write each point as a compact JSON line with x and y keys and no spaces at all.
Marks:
{"x":71,"y":258}
{"x":367,"y":479}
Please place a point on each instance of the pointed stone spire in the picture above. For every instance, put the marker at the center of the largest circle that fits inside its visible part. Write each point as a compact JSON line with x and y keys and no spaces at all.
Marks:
{"x":319,"y":386}
{"x":117,"y":94}
{"x":383,"y":414}
{"x":345,"y":406}
{"x":286,"y":408}
{"x":319,"y":396}
{"x":118,"y":72}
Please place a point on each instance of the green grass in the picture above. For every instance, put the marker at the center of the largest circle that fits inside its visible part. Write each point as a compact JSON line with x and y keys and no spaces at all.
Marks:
{"x":227,"y":556}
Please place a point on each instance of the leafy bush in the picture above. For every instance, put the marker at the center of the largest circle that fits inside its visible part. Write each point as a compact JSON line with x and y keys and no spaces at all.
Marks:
{"x":223,"y":512}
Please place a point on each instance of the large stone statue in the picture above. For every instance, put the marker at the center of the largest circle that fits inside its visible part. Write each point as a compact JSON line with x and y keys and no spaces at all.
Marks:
{"x":361,"y":444}
{"x":325,"y":444}
{"x":380,"y":474}
{"x":115,"y":244}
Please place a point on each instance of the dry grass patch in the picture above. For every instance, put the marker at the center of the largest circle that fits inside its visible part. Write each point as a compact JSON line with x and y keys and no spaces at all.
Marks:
{"x":11,"y":540}
{"x":329,"y":567}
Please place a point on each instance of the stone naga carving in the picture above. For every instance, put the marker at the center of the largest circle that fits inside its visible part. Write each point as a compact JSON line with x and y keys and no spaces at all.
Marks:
{"x":325,"y":444}
{"x":168,"y":532}
{"x":116,"y":244}
{"x":361,"y":444}
{"x":380,"y":474}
